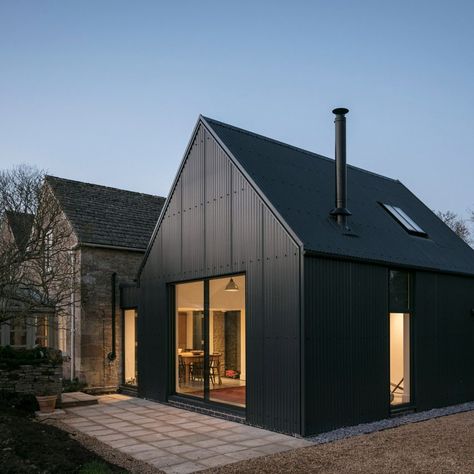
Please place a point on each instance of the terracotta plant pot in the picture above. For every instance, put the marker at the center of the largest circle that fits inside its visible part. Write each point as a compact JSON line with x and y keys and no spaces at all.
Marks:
{"x":47,"y":403}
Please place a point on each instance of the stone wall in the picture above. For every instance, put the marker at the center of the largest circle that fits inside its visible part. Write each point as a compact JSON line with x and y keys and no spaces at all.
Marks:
{"x":35,"y":379}
{"x":94,"y":317}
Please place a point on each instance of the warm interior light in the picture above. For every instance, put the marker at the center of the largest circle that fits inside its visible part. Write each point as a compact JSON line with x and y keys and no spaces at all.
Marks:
{"x":231,"y":286}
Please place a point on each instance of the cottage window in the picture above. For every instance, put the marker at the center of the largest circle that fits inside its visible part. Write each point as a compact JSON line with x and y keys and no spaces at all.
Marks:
{"x":18,"y":332}
{"x":42,"y":336}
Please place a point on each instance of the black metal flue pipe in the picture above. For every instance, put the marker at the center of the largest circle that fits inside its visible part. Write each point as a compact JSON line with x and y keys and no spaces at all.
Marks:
{"x":340,"y":212}
{"x":112,"y":355}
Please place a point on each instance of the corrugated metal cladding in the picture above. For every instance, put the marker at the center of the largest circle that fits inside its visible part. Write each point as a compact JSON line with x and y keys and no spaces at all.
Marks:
{"x":444,"y":339}
{"x":216,"y":224}
{"x":346,"y":343}
{"x":129,"y":296}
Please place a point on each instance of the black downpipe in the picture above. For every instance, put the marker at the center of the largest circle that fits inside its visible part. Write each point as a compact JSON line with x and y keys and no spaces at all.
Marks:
{"x":112,"y":355}
{"x":340,"y":212}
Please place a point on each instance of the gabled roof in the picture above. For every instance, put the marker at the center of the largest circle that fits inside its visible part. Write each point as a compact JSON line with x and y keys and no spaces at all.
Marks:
{"x":20,"y":224}
{"x":300,"y":185}
{"x":107,"y":216}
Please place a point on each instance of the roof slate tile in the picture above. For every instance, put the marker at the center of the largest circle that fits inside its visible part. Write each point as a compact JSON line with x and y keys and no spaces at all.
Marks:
{"x":107,"y":216}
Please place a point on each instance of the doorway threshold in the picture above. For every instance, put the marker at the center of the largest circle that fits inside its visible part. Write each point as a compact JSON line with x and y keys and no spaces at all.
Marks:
{"x":218,"y":411}
{"x":130,"y":390}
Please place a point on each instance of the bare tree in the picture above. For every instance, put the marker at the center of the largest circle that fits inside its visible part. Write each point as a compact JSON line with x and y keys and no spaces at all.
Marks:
{"x":457,"y":224}
{"x":36,"y":277}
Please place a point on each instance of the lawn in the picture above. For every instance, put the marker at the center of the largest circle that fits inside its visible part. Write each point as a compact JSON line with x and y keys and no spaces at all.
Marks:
{"x":438,"y":445}
{"x":29,"y":446}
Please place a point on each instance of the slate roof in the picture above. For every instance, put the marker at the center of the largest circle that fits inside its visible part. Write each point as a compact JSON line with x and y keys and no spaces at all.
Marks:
{"x":107,"y":216}
{"x":301,"y":187}
{"x":20,"y":224}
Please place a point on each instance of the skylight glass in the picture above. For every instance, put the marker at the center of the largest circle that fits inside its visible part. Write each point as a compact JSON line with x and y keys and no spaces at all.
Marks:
{"x":405,"y":220}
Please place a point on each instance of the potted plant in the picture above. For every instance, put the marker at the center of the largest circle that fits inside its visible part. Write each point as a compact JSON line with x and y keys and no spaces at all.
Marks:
{"x":233,"y":374}
{"x":46,"y":400}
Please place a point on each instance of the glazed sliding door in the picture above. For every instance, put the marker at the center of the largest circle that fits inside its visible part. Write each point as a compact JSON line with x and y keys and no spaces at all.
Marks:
{"x":227,"y":340}
{"x":190,"y":343}
{"x":210,"y":340}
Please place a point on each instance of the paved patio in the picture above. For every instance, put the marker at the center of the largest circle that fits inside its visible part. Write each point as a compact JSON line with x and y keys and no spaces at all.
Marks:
{"x":171,"y":439}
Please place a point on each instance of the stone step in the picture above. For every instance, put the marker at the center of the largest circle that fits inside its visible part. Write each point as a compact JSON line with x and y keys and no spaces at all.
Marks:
{"x":77,"y":399}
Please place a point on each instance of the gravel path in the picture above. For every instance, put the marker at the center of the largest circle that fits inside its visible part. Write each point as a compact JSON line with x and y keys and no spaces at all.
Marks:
{"x":438,"y":445}
{"x":366,"y":428}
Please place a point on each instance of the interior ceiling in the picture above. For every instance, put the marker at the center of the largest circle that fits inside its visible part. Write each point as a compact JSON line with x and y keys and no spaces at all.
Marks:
{"x":190,"y":296}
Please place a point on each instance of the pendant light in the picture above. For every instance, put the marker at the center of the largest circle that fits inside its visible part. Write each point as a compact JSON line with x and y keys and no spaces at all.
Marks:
{"x":231,"y":286}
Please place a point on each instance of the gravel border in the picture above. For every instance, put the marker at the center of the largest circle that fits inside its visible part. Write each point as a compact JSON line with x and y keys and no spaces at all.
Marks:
{"x":388,"y":423}
{"x":109,"y":454}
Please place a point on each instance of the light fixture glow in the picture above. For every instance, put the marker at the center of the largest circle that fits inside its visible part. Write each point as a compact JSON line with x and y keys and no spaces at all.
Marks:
{"x":231,"y":286}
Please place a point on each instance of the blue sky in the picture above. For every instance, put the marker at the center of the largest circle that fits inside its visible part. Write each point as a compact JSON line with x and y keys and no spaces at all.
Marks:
{"x":109,"y":91}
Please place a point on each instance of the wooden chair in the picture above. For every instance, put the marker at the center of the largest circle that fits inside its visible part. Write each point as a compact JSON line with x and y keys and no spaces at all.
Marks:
{"x":215,"y":368}
{"x":196,"y":370}
{"x":181,"y":370}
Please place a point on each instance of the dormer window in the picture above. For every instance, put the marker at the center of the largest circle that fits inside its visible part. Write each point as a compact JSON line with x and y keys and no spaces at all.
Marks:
{"x":404,"y":220}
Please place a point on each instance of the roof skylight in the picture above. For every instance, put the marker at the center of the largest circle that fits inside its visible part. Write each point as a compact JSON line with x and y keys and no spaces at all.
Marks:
{"x":404,"y":220}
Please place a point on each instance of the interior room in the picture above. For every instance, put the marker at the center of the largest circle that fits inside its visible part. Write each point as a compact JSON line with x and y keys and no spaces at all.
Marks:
{"x":130,"y":347}
{"x":399,"y":358}
{"x":222,"y":329}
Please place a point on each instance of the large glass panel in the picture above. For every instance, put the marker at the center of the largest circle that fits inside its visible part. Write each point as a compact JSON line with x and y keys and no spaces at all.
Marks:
{"x":227,"y":340}
{"x":399,"y":358}
{"x":190,"y":338}
{"x":130,"y":347}
{"x":399,"y":291}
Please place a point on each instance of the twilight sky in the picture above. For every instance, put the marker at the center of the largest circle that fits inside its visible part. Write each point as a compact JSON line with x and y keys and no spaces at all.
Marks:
{"x":109,"y":91}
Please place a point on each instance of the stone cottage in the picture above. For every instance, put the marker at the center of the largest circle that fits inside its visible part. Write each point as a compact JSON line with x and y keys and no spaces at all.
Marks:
{"x":109,"y":232}
{"x":111,"y":229}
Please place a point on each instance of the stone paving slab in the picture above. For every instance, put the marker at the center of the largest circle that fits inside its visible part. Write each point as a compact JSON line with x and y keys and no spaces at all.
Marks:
{"x":77,"y":399}
{"x":174,"y":440}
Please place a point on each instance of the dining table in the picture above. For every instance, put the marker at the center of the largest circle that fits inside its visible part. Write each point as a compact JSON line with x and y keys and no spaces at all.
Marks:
{"x":188,"y":358}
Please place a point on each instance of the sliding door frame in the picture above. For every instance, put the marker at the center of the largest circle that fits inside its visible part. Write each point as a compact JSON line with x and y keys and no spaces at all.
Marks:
{"x":172,"y":393}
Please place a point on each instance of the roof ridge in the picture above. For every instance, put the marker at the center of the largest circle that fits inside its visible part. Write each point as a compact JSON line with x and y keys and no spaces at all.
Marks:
{"x":293,"y":147}
{"x":49,"y":177}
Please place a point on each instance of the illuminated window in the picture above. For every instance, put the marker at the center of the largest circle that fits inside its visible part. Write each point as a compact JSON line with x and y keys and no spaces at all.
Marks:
{"x":400,"y":340}
{"x":210,"y":340}
{"x":130,"y":346}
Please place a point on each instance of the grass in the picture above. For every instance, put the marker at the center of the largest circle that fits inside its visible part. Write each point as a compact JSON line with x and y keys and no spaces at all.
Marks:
{"x":95,"y":467}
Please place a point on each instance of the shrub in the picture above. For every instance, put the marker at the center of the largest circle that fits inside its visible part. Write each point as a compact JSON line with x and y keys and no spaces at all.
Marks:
{"x":21,"y":401}
{"x":73,"y":385}
{"x":14,"y":357}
